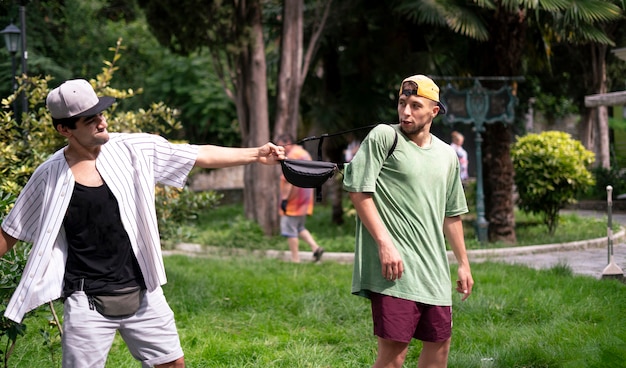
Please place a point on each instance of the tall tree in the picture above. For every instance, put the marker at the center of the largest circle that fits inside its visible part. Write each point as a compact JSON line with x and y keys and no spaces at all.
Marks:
{"x":595,"y":121}
{"x":232,"y":32}
{"x":295,"y":61}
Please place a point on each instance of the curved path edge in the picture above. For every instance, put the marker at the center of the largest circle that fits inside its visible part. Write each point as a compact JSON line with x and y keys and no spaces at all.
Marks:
{"x":348,"y":257}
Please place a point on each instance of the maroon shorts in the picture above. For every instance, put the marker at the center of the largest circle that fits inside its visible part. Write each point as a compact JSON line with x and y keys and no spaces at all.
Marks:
{"x":400,"y":319}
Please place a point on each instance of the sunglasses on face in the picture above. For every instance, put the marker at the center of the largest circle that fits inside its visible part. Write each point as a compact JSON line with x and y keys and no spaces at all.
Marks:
{"x":92,"y":118}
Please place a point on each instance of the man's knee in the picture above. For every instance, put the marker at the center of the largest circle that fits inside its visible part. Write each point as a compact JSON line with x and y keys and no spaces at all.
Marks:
{"x":391,"y":353}
{"x":178,"y":363}
{"x":434,"y":354}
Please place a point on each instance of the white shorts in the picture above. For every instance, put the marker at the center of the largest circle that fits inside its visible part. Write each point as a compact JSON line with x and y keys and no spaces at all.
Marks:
{"x":150,"y":334}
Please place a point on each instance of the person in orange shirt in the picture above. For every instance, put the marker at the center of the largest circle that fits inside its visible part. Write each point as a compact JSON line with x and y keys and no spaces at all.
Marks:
{"x":295,"y":205}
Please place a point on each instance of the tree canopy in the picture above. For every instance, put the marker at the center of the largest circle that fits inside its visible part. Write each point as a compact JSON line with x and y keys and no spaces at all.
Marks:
{"x":188,"y":54}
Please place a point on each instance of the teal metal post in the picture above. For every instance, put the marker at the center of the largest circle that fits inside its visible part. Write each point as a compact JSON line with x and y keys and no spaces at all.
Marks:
{"x":479,"y":106}
{"x":482,"y":225}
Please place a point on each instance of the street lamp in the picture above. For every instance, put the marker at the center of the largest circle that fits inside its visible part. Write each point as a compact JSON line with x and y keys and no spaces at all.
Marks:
{"x":12,"y":40}
{"x":11,"y":37}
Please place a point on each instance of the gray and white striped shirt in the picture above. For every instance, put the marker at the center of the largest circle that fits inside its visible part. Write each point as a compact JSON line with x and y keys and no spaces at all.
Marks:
{"x":131,"y":165}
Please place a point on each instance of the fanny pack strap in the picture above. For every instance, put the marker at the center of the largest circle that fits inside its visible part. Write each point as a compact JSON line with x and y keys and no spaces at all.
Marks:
{"x":318,"y":189}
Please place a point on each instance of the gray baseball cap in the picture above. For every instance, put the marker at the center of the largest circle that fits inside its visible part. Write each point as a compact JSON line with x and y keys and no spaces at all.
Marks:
{"x":76,"y":98}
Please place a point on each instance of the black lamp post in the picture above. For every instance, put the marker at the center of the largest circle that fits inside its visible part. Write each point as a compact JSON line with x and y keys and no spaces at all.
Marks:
{"x":24,"y":51}
{"x":12,"y":40}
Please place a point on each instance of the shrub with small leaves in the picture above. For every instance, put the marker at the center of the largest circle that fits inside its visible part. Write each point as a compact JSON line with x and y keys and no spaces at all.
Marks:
{"x":551,"y":169}
{"x":11,"y":268}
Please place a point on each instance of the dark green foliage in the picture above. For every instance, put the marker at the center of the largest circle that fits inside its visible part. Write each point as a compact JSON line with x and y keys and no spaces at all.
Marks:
{"x":207,"y":114}
{"x":186,"y":26}
{"x":550,"y":170}
{"x":553,"y":103}
{"x":612,"y":176}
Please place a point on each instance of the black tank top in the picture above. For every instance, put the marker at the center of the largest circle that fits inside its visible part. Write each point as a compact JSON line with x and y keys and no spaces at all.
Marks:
{"x":100,"y":258}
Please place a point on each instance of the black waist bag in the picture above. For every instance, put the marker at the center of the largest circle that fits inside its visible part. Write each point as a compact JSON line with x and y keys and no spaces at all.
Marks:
{"x":118,"y":303}
{"x":308,"y":174}
{"x":313,"y":174}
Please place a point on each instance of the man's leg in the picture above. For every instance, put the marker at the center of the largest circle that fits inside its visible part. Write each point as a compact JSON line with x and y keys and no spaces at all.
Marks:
{"x":87,"y":335}
{"x":151,"y":334}
{"x":391,"y":354}
{"x":178,"y":363}
{"x":308,"y":238}
{"x":293,"y":247}
{"x":435,"y":331}
{"x":434,"y":354}
{"x":289,"y":229}
{"x":394,"y":321}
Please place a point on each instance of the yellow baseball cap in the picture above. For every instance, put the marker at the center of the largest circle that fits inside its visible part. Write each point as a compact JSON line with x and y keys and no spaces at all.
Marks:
{"x":425,"y":88}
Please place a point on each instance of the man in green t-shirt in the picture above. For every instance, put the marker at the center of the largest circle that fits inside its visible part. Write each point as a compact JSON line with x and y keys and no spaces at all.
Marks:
{"x":408,"y":203}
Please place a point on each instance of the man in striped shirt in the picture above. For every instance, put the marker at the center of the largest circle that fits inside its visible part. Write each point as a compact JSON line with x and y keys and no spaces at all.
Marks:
{"x":89,"y":211}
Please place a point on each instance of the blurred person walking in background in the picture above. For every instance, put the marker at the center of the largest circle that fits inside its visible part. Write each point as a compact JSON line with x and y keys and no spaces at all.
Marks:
{"x":457,"y":145}
{"x":296,"y":204}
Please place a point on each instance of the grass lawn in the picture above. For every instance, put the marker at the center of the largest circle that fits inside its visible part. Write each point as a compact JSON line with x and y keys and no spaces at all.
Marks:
{"x":226,"y":226}
{"x":246,"y":312}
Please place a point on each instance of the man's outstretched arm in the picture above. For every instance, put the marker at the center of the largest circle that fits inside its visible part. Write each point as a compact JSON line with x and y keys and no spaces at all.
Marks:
{"x":215,"y":157}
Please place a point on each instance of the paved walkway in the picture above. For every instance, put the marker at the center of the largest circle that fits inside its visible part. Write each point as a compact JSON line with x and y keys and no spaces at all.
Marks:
{"x":586,"y":257}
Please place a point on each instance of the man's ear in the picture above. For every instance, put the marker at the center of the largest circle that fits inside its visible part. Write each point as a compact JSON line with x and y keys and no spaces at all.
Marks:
{"x":63,"y":130}
{"x":436,"y":109}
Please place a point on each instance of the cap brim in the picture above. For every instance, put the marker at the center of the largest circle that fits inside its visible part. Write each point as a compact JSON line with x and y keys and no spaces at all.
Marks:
{"x":104,"y":103}
{"x":442,"y":108}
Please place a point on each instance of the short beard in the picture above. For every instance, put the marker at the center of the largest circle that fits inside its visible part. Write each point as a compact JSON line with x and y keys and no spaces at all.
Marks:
{"x":416,"y":130}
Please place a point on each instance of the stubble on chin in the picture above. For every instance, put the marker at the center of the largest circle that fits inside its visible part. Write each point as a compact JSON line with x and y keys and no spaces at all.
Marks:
{"x":102,"y":138}
{"x":411,"y":130}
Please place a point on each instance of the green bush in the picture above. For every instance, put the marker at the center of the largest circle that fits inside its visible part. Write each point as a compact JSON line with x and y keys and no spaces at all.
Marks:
{"x":550,"y":171}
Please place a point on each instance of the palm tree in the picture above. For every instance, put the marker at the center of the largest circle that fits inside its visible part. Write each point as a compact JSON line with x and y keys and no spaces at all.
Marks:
{"x":500,"y":28}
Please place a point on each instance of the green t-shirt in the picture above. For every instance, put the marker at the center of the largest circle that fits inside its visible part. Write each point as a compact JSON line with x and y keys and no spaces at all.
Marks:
{"x":414,"y":190}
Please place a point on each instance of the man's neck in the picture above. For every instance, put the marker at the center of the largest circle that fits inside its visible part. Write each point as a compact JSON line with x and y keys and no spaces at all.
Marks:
{"x":423,"y":139}
{"x":76,"y":153}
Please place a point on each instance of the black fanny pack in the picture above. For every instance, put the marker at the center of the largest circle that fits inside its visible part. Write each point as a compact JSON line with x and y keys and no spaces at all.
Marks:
{"x":118,"y":303}
{"x":313,"y":174}
{"x":308,"y":174}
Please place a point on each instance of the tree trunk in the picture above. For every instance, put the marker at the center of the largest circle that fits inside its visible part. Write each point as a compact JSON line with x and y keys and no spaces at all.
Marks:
{"x":288,"y":90}
{"x":595,"y":122}
{"x":501,"y":58}
{"x":602,"y":116}
{"x":586,"y":129}
{"x":260,"y":181}
{"x":604,"y":157}
{"x":498,"y":170}
{"x":261,"y":184}
{"x":295,"y":62}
